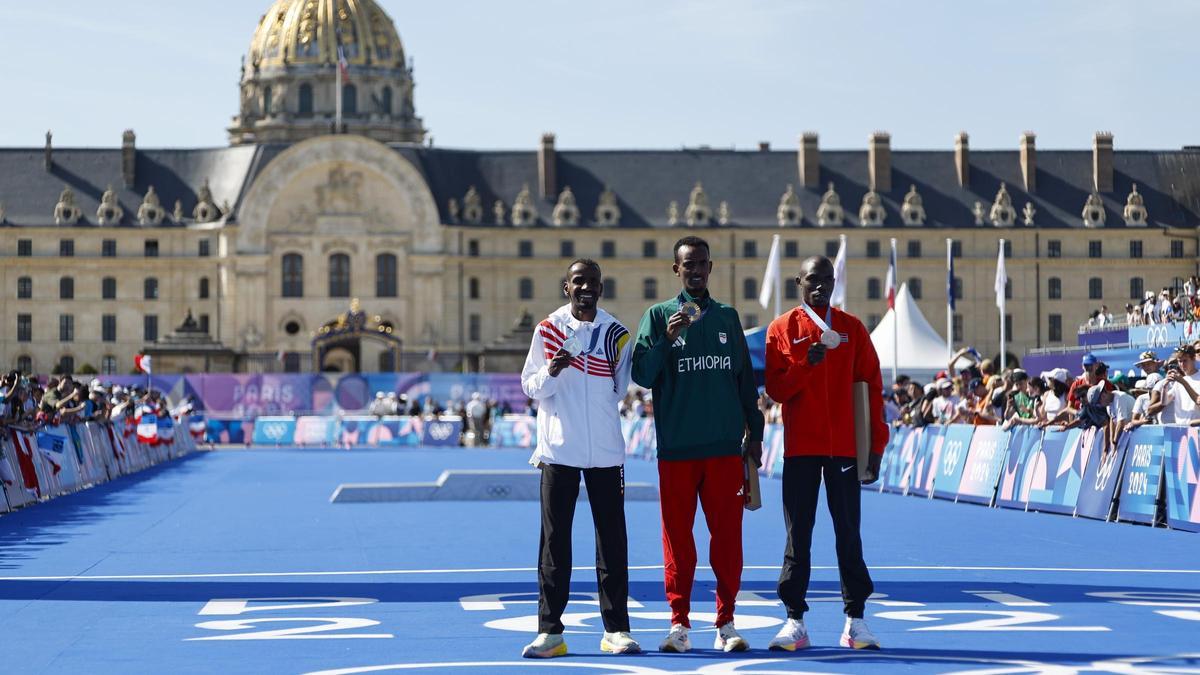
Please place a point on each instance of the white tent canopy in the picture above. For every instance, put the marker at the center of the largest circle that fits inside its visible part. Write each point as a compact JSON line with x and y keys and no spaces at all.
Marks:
{"x":921,"y":352}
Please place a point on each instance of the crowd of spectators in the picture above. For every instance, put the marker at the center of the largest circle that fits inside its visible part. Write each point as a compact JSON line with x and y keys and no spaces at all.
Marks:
{"x":26,"y":404}
{"x":1166,"y":306}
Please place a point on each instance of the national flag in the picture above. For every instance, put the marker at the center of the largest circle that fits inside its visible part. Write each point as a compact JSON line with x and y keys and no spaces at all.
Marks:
{"x":1001,"y":277}
{"x":166,"y":429}
{"x":771,"y":275}
{"x":25,"y":461}
{"x":343,"y":65}
{"x":950,"y":278}
{"x":891,"y":278}
{"x":197,"y":425}
{"x":53,"y":448}
{"x":142,"y":363}
{"x":147,"y":426}
{"x":839,"y":276}
{"x":6,"y":472}
{"x":279,"y":355}
{"x":432,"y":355}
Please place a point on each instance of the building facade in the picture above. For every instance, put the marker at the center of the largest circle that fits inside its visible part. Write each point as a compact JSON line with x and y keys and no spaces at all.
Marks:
{"x":266,"y":243}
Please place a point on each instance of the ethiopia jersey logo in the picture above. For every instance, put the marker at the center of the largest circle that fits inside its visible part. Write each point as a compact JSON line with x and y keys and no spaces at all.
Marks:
{"x":723,"y":338}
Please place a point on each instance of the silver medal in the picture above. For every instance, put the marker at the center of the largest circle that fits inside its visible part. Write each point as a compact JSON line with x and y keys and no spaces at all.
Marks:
{"x":831,"y":339}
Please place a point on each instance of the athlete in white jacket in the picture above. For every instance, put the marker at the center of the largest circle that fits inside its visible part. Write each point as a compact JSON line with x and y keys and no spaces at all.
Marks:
{"x":578,"y":369}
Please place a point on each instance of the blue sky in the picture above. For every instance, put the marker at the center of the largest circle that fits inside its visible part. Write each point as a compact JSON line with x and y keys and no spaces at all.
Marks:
{"x":644,"y":74}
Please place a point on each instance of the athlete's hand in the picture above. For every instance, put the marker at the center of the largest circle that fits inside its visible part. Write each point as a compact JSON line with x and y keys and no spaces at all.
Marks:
{"x":754,"y":451}
{"x":675,"y":326}
{"x":872,"y":469}
{"x":816,"y":353}
{"x":560,"y":361}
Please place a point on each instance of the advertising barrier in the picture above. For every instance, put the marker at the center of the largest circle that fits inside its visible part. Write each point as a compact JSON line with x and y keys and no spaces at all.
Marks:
{"x":1100,"y":480}
{"x":1183,"y":479}
{"x":1056,"y":472}
{"x":985,"y":458}
{"x":1142,"y":475}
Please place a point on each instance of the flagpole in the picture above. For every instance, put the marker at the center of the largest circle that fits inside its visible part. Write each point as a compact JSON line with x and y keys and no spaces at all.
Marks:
{"x":778,"y":280}
{"x":842,"y":282}
{"x":337,"y":91}
{"x":895,"y":315}
{"x":950,"y":297}
{"x":1002,"y":296}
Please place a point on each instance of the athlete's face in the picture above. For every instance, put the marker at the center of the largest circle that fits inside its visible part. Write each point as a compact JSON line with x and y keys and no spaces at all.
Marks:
{"x":692,"y":266}
{"x":816,"y":281}
{"x":584,"y":287}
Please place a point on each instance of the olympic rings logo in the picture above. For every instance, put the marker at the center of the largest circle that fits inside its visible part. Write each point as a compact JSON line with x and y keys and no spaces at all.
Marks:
{"x":440,"y":431}
{"x":950,"y":460}
{"x":1157,"y":336}
{"x":275,"y":430}
{"x":1105,"y":470}
{"x":498,"y":491}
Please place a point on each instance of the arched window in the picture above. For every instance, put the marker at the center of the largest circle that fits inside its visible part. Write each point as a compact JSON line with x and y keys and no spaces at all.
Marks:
{"x":649,"y":289}
{"x":525,"y":288}
{"x":349,"y":99}
{"x":203,"y":288}
{"x":24,"y":288}
{"x":385,"y":275}
{"x":108,"y":288}
{"x":66,"y":288}
{"x":1137,"y":288}
{"x":339,"y":275}
{"x":150,"y":288}
{"x":914,"y":288}
{"x":266,"y":106}
{"x":108,"y":365}
{"x":385,"y":101}
{"x":1054,"y":289}
{"x":25,"y":365}
{"x":66,"y":365}
{"x":1095,"y":288}
{"x":306,"y":99}
{"x":293,"y":275}
{"x":749,"y":289}
{"x":473,"y":288}
{"x":873,"y":288}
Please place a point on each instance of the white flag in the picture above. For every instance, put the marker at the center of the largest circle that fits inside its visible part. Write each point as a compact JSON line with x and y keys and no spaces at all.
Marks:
{"x":771,"y":275}
{"x":1001,"y":277}
{"x":839,"y":276}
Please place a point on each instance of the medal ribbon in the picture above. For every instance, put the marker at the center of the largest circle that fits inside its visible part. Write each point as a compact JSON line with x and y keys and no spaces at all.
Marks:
{"x":816,"y":318}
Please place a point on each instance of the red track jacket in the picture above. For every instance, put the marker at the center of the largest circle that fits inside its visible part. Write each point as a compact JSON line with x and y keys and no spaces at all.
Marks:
{"x":818,"y":401}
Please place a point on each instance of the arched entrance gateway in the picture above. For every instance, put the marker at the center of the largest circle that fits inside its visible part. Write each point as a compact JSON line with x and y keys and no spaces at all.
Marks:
{"x":330,"y":219}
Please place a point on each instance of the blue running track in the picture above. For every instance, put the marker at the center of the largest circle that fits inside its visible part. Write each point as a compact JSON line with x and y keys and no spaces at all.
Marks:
{"x":236,"y":562}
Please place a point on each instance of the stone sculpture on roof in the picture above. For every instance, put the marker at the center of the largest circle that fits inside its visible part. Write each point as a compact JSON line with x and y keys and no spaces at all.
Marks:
{"x":673,"y":213}
{"x":608,"y":212}
{"x":1135,"y":208}
{"x":151,"y":211}
{"x":206,"y":210}
{"x":109,"y":212}
{"x":177,"y":214}
{"x":979,"y":212}
{"x":1093,"y":211}
{"x":871,"y":213}
{"x":472,"y":211}
{"x":724,"y":213}
{"x":452,"y":209}
{"x":566,"y":212}
{"x":65,"y":211}
{"x":1002,"y":213}
{"x":499,"y":213}
{"x":698,"y":212}
{"x":1028,"y":212}
{"x":830,"y":211}
{"x":524,"y":212}
{"x":913,"y":210}
{"x":789,"y":211}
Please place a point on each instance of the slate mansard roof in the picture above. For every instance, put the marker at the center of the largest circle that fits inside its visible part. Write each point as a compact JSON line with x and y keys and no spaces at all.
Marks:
{"x":644,"y":181}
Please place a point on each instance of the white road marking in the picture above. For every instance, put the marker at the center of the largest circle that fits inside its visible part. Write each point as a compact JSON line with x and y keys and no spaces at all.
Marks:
{"x":526,"y":570}
{"x":1007,"y":599}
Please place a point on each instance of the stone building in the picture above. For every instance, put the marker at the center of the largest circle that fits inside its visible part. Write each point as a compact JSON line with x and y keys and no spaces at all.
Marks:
{"x":267,"y":242}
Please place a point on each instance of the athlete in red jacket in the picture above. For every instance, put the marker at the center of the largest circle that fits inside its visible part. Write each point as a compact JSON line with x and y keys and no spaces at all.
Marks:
{"x":815,"y":354}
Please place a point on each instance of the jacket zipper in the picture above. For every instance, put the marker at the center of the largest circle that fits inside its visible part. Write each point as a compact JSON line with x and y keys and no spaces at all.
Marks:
{"x":586,"y":407}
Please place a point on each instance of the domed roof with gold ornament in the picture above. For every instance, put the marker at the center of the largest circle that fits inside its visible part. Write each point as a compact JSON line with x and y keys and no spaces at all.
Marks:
{"x":303,"y":32}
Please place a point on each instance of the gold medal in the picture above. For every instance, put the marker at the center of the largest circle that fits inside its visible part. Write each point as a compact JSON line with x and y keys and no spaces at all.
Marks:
{"x":691,"y":310}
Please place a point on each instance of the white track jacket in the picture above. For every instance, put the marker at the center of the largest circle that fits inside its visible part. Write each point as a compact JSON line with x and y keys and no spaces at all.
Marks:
{"x":578,"y":423}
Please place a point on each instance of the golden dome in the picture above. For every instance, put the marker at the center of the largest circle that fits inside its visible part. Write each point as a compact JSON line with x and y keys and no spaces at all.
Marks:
{"x":304,"y":32}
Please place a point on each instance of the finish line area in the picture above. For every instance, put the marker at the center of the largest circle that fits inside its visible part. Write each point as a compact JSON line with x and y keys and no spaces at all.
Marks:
{"x":237,"y":562}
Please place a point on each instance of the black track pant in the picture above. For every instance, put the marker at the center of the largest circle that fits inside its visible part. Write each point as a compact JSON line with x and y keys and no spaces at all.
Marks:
{"x":801,"y":485}
{"x":606,"y":494}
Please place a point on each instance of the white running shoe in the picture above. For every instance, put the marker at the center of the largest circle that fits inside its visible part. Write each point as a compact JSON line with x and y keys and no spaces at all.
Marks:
{"x":620,"y":642}
{"x":545,"y":646}
{"x":792,"y":636}
{"x":677,"y":640}
{"x":857,"y":636}
{"x":729,"y":640}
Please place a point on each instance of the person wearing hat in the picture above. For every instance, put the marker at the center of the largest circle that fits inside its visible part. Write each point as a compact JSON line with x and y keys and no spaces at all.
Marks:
{"x":1178,"y":393}
{"x":1093,"y":411}
{"x":946,"y":403}
{"x":976,"y":407}
{"x":1020,"y":405}
{"x":1142,"y":391}
{"x":1149,"y":363}
{"x":1088,"y":379}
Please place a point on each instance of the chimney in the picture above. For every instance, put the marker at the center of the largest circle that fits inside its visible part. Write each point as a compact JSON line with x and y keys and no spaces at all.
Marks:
{"x":1029,"y":161}
{"x":129,"y":157}
{"x":547,"y":176}
{"x":962,"y":159}
{"x":764,"y":146}
{"x":49,"y":151}
{"x":1102,"y":161}
{"x":879,"y":161}
{"x":810,"y":160}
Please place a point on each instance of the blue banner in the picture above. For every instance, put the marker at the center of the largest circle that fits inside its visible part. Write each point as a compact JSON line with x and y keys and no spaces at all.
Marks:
{"x":892,"y":465}
{"x":442,"y":431}
{"x":1140,"y":479}
{"x":267,"y":430}
{"x":950,"y":460}
{"x":518,"y":431}
{"x":1183,"y":478}
{"x":1011,"y":493}
{"x":1045,"y":488}
{"x":985,"y":459}
{"x":919,"y":476}
{"x":1100,"y":479}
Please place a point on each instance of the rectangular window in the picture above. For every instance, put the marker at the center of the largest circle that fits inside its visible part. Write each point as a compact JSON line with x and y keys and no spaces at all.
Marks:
{"x":24,"y":327}
{"x":525,"y":248}
{"x":872,"y":249}
{"x":108,"y":288}
{"x":1055,"y":328}
{"x":66,"y":248}
{"x":649,"y":249}
{"x":1135,"y":248}
{"x":957,"y":323}
{"x":24,"y":288}
{"x":66,"y":328}
{"x":956,"y":248}
{"x":872,"y":321}
{"x":749,"y":321}
{"x":1095,"y":249}
{"x":291,"y":362}
{"x":473,"y":248}
{"x":150,"y":327}
{"x":791,"y":249}
{"x":610,"y":288}
{"x":566,"y":249}
{"x":24,"y":248}
{"x":608,"y":249}
{"x":649,"y":289}
{"x":1054,"y":248}
{"x":108,"y":248}
{"x":204,"y":323}
{"x":1176,"y":248}
{"x":151,"y":248}
{"x":1008,"y":327}
{"x":749,"y":249}
{"x":108,"y":328}
{"x":474,"y":328}
{"x":914,"y":249}
{"x":205,"y":248}
{"x":1007,"y":248}
{"x":790,"y":290}
{"x":831,"y":249}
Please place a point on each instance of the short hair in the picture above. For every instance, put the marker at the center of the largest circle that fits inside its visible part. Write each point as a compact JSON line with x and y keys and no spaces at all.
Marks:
{"x":586,"y":262}
{"x":692,"y":241}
